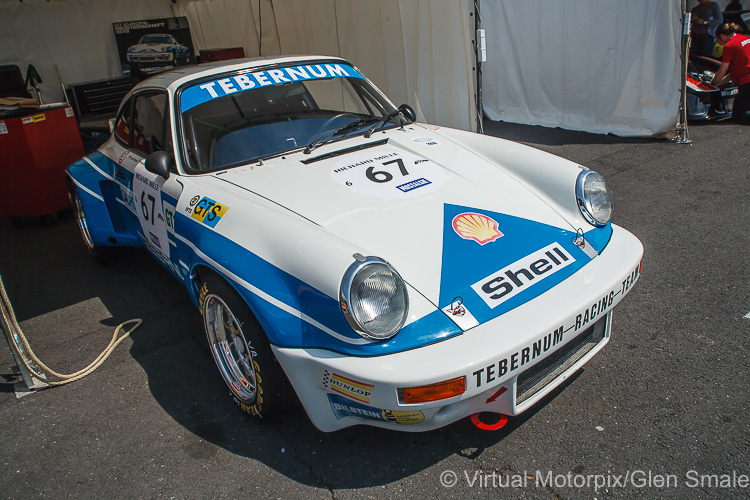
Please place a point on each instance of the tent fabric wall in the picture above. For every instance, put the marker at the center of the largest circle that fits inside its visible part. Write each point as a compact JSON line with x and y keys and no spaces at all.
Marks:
{"x":603,"y":66}
{"x":75,"y":35}
{"x":231,"y":23}
{"x":417,"y":51}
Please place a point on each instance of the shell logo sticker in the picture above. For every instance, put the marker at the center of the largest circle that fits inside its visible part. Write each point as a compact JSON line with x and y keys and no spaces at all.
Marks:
{"x":477,"y":227}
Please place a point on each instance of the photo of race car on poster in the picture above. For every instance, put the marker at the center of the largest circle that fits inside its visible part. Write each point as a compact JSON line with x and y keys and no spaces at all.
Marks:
{"x":149,"y":46}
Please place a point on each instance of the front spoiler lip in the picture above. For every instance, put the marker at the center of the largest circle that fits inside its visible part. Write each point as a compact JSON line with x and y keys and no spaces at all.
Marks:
{"x":471,"y":354}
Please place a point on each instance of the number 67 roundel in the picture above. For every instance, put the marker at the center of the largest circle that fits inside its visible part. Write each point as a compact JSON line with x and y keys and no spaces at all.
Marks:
{"x":384,"y":173}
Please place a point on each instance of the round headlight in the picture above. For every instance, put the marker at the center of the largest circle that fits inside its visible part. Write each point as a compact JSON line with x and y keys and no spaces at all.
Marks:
{"x":373,"y":298}
{"x":595,"y":197}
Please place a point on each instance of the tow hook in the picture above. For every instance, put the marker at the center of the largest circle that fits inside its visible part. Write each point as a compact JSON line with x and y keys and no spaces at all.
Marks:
{"x":489,"y":427}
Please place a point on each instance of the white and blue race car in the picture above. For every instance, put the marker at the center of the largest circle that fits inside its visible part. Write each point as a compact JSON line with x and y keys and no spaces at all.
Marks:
{"x":158,"y":48}
{"x":392,"y":273}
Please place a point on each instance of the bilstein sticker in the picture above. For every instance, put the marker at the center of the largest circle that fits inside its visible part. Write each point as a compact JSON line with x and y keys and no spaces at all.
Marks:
{"x":344,"y":408}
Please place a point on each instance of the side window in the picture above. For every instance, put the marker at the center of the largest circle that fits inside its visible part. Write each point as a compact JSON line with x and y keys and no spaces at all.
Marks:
{"x":150,"y":123}
{"x":122,"y":126}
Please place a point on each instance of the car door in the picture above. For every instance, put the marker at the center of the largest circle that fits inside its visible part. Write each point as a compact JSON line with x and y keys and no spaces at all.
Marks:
{"x":149,"y":200}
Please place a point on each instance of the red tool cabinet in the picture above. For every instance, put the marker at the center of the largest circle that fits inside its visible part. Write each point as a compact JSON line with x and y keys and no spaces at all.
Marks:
{"x":34,"y":151}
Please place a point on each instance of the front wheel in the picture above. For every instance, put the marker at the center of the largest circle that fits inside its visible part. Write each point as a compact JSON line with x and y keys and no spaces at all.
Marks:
{"x":242,"y":353}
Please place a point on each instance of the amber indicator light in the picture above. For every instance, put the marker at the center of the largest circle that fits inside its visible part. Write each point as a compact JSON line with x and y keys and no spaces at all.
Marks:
{"x":434,"y":392}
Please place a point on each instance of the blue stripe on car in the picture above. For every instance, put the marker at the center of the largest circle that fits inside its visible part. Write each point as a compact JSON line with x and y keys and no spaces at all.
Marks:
{"x":467,"y":261}
{"x":293,"y":313}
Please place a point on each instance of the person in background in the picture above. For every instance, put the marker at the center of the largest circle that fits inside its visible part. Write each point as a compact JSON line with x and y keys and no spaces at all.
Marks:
{"x":705,"y":18}
{"x":732,"y":14}
{"x":733,"y":5}
{"x":735,"y":63}
{"x":718,"y":51}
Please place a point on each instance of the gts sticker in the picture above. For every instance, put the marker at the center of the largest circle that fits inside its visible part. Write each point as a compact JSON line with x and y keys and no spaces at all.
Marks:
{"x":208,"y":211}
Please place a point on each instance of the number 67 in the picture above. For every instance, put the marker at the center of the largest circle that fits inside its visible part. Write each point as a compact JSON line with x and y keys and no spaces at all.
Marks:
{"x":381,"y":176}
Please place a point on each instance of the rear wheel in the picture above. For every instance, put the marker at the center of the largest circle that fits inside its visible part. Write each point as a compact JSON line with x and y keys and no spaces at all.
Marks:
{"x":242,"y":353}
{"x":83,"y":225}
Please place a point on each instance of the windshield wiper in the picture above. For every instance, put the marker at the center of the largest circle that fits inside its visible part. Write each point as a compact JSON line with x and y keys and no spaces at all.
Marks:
{"x":349,"y":127}
{"x":382,"y":122}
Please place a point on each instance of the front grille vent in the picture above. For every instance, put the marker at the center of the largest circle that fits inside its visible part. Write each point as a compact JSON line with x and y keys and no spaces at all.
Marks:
{"x":538,"y":376}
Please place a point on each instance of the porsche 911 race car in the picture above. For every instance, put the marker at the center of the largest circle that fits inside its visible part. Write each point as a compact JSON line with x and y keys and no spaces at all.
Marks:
{"x":392,"y":273}
{"x":157,"y":48}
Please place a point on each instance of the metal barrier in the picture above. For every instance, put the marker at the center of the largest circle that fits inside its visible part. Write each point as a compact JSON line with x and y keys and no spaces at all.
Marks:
{"x":30,"y":382}
{"x":33,"y":371}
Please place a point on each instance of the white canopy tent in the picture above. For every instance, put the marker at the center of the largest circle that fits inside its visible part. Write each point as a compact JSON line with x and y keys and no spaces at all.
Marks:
{"x":417,"y":51}
{"x":603,"y":66}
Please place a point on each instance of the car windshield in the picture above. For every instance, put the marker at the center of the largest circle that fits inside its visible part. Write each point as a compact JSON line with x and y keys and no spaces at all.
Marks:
{"x":243,"y":117}
{"x":156,"y":39}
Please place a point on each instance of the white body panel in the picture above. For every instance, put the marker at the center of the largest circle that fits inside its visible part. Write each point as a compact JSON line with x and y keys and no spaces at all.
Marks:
{"x":415,"y":233}
{"x":475,"y":350}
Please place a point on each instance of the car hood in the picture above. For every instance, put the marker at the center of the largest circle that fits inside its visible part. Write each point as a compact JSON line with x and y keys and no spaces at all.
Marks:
{"x":452,"y":223}
{"x":150,"y":46}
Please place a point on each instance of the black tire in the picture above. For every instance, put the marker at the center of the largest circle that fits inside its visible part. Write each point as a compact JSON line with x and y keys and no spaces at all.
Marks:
{"x":242,"y":353}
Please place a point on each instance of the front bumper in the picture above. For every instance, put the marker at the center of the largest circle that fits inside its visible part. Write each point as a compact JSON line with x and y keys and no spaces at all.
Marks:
{"x":510,"y":362}
{"x":151,"y":57}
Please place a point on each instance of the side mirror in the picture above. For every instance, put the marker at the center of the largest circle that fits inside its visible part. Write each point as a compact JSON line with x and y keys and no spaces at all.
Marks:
{"x":408,"y":112}
{"x":160,"y":163}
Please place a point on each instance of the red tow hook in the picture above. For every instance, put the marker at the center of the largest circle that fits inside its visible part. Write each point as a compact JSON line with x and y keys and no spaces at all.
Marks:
{"x":489,"y":427}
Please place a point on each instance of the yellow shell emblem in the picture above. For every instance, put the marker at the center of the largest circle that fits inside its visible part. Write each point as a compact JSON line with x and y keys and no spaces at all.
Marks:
{"x":477,"y":227}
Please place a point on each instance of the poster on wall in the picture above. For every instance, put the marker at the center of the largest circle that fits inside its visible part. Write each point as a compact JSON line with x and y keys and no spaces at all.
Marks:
{"x":153,"y":45}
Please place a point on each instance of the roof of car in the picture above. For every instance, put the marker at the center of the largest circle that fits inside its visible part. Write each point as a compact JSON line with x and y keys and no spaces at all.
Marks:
{"x":174,"y":78}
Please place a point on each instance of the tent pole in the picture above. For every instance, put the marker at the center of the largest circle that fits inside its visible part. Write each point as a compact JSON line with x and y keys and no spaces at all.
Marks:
{"x":682,"y":126}
{"x":478,"y":59}
{"x":260,"y":31}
